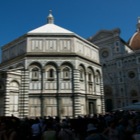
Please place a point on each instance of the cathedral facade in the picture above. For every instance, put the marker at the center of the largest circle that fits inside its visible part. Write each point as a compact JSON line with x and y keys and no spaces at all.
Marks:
{"x":121,"y":67}
{"x":50,"y":71}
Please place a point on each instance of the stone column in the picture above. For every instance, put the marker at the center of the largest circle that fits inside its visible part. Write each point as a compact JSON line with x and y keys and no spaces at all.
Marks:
{"x":24,"y":94}
{"x":76,"y":93}
{"x":86,"y":92}
{"x":58,"y":99}
{"x":41,"y":93}
{"x":6,"y":97}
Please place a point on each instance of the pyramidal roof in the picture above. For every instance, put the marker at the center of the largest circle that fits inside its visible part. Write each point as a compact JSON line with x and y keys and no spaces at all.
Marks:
{"x":50,"y":28}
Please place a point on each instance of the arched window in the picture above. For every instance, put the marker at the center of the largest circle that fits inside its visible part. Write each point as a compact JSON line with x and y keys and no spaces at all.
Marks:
{"x":89,"y":77}
{"x":90,"y":80}
{"x":98,"y":78}
{"x":117,"y":49}
{"x":35,"y":73}
{"x":14,"y":98}
{"x":51,"y":73}
{"x":66,"y":73}
{"x":116,"y":46}
{"x":81,"y":74}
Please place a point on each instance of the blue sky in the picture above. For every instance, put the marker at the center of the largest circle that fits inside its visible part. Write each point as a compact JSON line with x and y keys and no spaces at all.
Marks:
{"x":84,"y":17}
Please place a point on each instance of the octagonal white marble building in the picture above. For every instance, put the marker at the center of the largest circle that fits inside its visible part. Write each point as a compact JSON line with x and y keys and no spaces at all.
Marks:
{"x":50,"y":71}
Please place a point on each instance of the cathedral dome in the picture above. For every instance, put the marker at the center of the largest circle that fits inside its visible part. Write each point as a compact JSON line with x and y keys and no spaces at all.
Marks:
{"x":134,"y":42}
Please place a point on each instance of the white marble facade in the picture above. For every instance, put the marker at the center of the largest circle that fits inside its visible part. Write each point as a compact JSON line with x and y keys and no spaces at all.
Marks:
{"x":50,"y":71}
{"x":120,"y":65}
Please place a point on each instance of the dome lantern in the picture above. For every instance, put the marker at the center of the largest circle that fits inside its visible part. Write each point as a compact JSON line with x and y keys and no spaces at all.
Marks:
{"x":138,"y":24}
{"x":50,"y":18}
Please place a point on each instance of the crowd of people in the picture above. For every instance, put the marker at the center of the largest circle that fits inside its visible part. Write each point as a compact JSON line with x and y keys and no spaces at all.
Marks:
{"x":117,"y":125}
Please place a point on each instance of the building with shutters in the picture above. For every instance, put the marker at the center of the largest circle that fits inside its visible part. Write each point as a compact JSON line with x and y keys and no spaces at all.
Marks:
{"x":50,"y":71}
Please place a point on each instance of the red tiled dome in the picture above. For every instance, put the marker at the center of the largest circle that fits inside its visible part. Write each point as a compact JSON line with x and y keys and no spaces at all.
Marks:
{"x":135,"y":41}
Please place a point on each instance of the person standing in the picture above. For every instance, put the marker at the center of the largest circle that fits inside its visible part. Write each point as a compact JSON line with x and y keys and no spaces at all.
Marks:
{"x":49,"y":133}
{"x":65,"y":132}
{"x":36,"y":130}
{"x":93,"y":134}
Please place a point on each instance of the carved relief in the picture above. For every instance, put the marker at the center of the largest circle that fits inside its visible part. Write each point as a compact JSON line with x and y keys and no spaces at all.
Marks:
{"x":51,"y":45}
{"x":65,"y":45}
{"x":80,"y":48}
{"x":37,"y":45}
{"x":87,"y":51}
